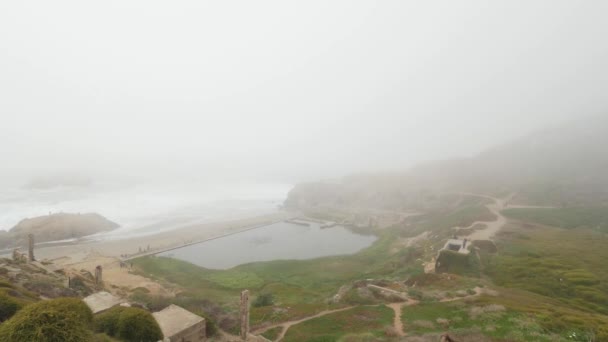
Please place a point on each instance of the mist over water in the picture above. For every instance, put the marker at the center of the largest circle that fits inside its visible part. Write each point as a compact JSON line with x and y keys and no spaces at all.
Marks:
{"x":144,"y":208}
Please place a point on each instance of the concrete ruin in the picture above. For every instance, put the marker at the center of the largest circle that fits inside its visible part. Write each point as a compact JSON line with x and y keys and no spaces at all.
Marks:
{"x":102,"y":301}
{"x":18,"y":256}
{"x":244,"y":315}
{"x":30,"y":247}
{"x":179,"y":324}
{"x":457,"y":245}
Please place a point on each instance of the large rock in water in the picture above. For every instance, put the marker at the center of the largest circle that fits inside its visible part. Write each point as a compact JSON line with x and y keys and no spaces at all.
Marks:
{"x":56,"y":227}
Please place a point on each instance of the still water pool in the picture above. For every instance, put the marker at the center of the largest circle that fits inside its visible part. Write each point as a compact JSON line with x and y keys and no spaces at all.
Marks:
{"x":277,"y":241}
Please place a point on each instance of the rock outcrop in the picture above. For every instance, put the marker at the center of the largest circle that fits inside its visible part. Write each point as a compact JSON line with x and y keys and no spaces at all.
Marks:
{"x":55,"y":227}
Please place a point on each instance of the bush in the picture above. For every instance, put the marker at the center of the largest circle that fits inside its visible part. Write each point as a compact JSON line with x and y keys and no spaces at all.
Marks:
{"x":107,"y":322}
{"x":129,"y":324}
{"x":59,"y":320}
{"x":264,"y":299}
{"x":138,"y":325}
{"x":8,"y":307}
{"x":73,"y":305}
{"x":211,"y":328}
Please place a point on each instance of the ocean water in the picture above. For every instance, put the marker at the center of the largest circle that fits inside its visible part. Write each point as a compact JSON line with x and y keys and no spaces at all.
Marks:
{"x":143,"y":208}
{"x":273,"y":242}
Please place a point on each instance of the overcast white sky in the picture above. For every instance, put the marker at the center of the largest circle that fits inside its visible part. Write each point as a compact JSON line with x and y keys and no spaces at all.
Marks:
{"x":286,"y":90}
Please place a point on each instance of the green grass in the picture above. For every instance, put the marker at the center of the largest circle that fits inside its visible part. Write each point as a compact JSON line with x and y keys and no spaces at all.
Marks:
{"x":442,"y":221}
{"x":564,"y":268}
{"x":362,"y":319}
{"x":569,"y":265}
{"x":273,"y":333}
{"x":492,"y":321}
{"x":595,"y":218}
{"x":552,"y":315}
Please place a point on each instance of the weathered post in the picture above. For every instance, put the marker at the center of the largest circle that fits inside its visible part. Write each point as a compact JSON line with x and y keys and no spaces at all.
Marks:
{"x":244,"y":314}
{"x":31,"y":247}
{"x":98,"y":275}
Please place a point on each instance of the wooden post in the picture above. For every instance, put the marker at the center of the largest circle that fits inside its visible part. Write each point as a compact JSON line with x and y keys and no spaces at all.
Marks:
{"x":244,"y":314}
{"x":31,"y":247}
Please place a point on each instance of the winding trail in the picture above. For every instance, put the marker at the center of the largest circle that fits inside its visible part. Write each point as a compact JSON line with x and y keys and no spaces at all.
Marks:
{"x":397,"y":323}
{"x":492,"y":227}
{"x":396,"y":307}
{"x":288,"y":324}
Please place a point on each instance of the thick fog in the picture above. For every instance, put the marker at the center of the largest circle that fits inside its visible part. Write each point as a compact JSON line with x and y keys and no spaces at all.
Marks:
{"x":285,"y":91}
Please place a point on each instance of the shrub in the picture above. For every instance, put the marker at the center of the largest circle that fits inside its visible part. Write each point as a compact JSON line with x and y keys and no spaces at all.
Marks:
{"x":264,"y":299}
{"x":107,"y":322}
{"x":73,"y":305}
{"x":59,"y":320}
{"x":138,"y":325}
{"x":211,"y":328}
{"x":8,"y":307}
{"x":415,"y":294}
{"x":129,"y":324}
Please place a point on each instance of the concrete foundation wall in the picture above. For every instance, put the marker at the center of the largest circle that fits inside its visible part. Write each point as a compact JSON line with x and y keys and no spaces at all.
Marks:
{"x":195,"y":333}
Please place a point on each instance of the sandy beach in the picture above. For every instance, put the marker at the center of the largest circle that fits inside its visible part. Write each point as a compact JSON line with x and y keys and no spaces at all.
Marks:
{"x":108,"y":253}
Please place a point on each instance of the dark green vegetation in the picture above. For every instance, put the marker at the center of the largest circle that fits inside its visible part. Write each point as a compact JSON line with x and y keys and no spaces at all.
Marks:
{"x":371,"y":320}
{"x":23,"y":317}
{"x":273,"y":333}
{"x":595,"y":218}
{"x":57,"y":320}
{"x":458,"y":263}
{"x":264,"y":299}
{"x":13,"y":298}
{"x":8,"y":307}
{"x":128,"y":324}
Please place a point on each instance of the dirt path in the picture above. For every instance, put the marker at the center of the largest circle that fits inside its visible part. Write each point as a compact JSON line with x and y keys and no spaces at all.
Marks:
{"x":397,"y":323}
{"x":288,"y":324}
{"x":492,"y":227}
{"x":396,"y":307}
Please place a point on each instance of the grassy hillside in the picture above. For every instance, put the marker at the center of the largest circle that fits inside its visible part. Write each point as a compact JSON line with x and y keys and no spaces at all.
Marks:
{"x":563,"y":165}
{"x":594,"y":218}
{"x":360,"y":320}
{"x":564,"y":264}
